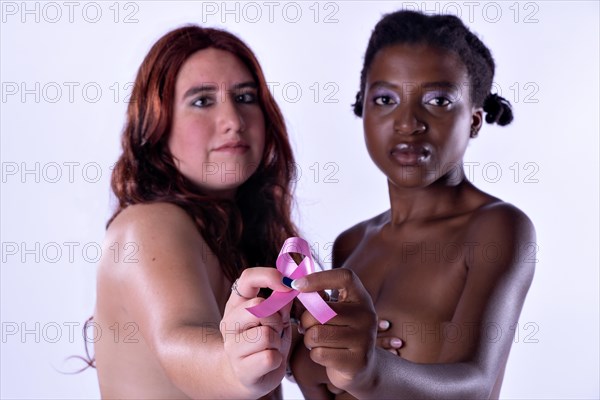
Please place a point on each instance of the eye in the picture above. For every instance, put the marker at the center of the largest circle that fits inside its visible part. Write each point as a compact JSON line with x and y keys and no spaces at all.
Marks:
{"x":203,"y":102}
{"x":246,"y":98}
{"x":439,"y":102}
{"x":383,"y":100}
{"x":438,"y":98}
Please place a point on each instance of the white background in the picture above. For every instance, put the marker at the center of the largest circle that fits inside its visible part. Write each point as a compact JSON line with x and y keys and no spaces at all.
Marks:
{"x":547,"y":58}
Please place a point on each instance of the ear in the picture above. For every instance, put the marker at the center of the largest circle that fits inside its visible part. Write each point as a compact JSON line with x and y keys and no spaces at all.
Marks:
{"x":476,"y":121}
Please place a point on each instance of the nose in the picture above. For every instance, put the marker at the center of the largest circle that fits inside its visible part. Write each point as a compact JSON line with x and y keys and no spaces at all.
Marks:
{"x":231,"y":119}
{"x":407,"y":121}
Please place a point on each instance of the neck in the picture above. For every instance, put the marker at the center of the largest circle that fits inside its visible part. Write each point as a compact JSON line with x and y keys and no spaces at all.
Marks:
{"x":435,"y":200}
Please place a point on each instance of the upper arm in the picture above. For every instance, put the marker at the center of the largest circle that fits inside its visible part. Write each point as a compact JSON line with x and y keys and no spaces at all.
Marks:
{"x":499,"y":272}
{"x":168,"y":285}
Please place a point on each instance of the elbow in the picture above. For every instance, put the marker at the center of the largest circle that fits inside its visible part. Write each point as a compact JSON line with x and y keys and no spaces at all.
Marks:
{"x":479,"y":385}
{"x":466,"y":380}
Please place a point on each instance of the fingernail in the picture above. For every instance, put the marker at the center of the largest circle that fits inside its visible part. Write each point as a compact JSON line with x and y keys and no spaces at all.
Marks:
{"x":395,"y":342}
{"x":384,"y":324}
{"x":299,"y":283}
{"x":287,"y":282}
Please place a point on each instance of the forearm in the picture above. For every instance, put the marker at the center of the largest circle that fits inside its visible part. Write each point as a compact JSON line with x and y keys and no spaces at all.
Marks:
{"x":195,"y":361}
{"x":392,"y":376}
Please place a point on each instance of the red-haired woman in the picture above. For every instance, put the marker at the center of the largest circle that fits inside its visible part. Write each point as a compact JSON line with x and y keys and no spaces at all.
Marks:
{"x":204,"y":192}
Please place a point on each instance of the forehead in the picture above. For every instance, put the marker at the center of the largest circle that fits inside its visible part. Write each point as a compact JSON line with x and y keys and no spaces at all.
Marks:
{"x":212,"y":66}
{"x":402,"y":63}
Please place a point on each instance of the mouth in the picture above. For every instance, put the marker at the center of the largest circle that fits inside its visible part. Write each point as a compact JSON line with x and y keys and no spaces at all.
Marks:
{"x":411,"y":154}
{"x":234,"y":146}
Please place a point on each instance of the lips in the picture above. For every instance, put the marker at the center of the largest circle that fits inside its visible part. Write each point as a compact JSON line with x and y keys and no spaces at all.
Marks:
{"x":234,"y":146}
{"x":411,"y":154}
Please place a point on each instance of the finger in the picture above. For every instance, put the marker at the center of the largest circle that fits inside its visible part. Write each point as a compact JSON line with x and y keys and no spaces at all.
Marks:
{"x":383,"y":325}
{"x":239,"y":319}
{"x":252,"y":280}
{"x":253,"y":340}
{"x":338,"y":359}
{"x":349,"y":286}
{"x":342,"y":337}
{"x":348,"y":314}
{"x":333,"y":389}
{"x":389,"y":343}
{"x":261,"y":363}
{"x":307,"y":320}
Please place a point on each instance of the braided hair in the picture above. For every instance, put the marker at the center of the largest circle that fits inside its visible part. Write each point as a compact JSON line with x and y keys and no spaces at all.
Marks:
{"x":448,"y":33}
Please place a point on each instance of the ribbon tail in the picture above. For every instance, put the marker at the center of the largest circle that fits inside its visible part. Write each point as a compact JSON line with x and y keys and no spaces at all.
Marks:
{"x":274,"y":303}
{"x":317,"y":306}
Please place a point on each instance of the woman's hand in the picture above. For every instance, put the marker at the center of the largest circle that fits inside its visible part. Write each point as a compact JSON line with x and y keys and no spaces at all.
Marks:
{"x":312,"y":378}
{"x":345,"y":345}
{"x":257,"y":348}
{"x":389,"y":343}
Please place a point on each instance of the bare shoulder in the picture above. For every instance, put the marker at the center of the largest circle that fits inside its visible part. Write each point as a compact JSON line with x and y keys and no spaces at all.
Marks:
{"x":141,"y":219}
{"x":504,"y":238}
{"x":498,"y":219}
{"x":158,"y":233}
{"x":350,"y":239}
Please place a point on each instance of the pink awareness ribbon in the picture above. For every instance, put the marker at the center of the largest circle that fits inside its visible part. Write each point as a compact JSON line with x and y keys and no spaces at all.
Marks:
{"x":288,"y":267}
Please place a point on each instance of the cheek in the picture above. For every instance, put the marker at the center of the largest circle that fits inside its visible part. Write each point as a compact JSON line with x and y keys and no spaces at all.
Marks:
{"x":462,"y":131}
{"x":375,"y":128}
{"x":375,"y":139}
{"x":455,"y":142}
{"x":255,"y":120}
{"x":261,"y":132}
{"x":188,"y":137}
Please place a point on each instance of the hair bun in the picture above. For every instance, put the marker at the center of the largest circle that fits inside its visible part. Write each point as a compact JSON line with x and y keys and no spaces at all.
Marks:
{"x":498,"y":110}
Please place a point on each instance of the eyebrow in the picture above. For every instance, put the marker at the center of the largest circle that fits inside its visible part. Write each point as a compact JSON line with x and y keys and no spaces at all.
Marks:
{"x":440,"y":84}
{"x":428,"y":85}
{"x":212,"y":87}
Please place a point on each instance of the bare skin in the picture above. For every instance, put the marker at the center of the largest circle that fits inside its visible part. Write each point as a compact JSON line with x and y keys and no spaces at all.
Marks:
{"x":448,"y":265}
{"x":168,"y":307}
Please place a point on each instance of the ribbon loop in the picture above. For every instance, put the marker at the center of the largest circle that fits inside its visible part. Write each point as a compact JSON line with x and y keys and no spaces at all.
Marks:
{"x":288,"y":267}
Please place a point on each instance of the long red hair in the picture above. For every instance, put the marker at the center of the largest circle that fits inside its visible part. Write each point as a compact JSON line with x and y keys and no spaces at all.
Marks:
{"x":244,"y":232}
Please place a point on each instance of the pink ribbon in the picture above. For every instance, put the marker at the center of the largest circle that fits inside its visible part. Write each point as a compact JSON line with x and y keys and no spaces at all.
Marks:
{"x":288,"y":267}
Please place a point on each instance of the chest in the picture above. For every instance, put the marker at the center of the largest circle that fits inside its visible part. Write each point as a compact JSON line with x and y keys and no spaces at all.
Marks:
{"x":417,"y":278}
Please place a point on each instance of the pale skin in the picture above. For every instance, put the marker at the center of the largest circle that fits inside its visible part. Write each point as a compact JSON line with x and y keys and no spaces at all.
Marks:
{"x":172,"y":328}
{"x":448,"y":265}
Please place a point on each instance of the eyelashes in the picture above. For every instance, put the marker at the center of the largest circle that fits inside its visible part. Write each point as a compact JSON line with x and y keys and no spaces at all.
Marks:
{"x":203,"y":101}
{"x":240,"y":98}
{"x":384,"y":97}
{"x":439,"y":98}
{"x":435,"y":98}
{"x":246,"y":98}
{"x":439,"y":101}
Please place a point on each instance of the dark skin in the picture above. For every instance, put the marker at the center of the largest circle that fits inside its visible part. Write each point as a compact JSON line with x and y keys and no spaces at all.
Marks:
{"x":448,"y":265}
